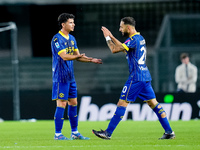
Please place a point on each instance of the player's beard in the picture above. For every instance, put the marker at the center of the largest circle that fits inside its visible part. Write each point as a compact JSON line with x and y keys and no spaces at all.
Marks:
{"x":125,"y":34}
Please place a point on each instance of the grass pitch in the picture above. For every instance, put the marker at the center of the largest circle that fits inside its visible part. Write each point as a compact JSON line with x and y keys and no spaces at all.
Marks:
{"x":137,"y":135}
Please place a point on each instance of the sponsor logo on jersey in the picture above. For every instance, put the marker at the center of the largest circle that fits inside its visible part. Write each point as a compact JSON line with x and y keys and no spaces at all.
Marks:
{"x":72,"y":42}
{"x":142,"y":42}
{"x":143,"y":68}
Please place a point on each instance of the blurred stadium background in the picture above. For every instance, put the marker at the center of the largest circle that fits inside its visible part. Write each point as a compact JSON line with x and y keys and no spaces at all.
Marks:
{"x":170,"y":27}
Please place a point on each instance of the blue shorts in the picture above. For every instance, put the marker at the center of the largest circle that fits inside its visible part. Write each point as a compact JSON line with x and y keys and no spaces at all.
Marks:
{"x":134,"y":89}
{"x":64,"y":91}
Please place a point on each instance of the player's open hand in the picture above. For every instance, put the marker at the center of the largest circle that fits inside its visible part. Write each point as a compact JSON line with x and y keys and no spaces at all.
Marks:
{"x":96,"y":61}
{"x":106,"y":32}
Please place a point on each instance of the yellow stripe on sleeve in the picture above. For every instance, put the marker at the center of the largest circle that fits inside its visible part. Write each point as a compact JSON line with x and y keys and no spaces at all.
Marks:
{"x":126,"y":47}
{"x":61,"y":51}
{"x":75,"y":49}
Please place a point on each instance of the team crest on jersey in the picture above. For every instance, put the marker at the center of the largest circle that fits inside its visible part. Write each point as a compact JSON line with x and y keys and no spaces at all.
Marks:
{"x":57,"y":45}
{"x":61,"y":95}
{"x":72,"y":42}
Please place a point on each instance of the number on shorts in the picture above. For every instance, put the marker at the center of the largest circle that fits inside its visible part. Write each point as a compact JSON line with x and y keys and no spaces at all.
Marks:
{"x":124,"y":89}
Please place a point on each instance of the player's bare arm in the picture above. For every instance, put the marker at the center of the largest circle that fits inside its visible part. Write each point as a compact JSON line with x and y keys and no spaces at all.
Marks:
{"x":88,"y":59}
{"x":66,"y":57}
{"x":114,"y":45}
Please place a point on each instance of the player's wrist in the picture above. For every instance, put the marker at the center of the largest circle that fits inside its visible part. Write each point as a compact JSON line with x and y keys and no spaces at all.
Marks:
{"x":78,"y":56}
{"x":107,"y":38}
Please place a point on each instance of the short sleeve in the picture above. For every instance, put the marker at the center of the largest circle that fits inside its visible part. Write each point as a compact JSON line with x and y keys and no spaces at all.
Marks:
{"x":58,"y":46}
{"x":129,"y":44}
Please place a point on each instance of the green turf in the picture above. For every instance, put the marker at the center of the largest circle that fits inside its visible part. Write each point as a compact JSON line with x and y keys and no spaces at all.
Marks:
{"x":137,"y":135}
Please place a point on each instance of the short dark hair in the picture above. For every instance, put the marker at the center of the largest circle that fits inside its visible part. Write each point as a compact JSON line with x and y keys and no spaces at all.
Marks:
{"x":129,"y":20}
{"x":62,"y":18}
{"x":184,"y":55}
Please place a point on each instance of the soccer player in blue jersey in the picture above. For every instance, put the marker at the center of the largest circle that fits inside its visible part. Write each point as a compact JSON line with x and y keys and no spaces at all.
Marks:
{"x":139,"y":80}
{"x":64,"y":90}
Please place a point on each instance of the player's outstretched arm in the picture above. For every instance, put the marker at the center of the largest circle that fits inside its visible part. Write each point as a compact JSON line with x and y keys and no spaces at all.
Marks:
{"x":114,"y":44}
{"x":88,"y":59}
{"x":66,"y":57}
{"x":96,"y":61}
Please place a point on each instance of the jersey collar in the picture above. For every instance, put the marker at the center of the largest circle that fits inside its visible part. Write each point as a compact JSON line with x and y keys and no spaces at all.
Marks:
{"x":137,"y":33}
{"x":67,"y":37}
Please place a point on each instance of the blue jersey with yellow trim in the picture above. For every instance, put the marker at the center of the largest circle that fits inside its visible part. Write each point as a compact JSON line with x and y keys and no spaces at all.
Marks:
{"x":62,"y":71}
{"x":136,"y":56}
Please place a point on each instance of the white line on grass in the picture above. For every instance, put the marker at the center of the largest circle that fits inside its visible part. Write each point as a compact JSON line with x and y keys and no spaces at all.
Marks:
{"x":17,"y":147}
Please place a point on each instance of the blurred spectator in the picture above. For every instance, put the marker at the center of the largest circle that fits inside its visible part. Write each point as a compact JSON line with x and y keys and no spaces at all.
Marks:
{"x":186,"y":75}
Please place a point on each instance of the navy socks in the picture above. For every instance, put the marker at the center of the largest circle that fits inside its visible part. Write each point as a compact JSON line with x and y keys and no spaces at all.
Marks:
{"x":119,"y":113}
{"x":163,"y":120}
{"x":73,"y":117}
{"x":58,"y":119}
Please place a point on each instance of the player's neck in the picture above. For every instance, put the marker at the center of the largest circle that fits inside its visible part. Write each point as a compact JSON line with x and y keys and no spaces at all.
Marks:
{"x":132,"y":32}
{"x":65,"y":32}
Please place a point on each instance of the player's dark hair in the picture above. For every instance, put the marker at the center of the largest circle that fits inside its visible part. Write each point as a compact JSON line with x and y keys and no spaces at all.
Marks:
{"x":184,"y":55}
{"x":62,"y":18}
{"x":129,"y":20}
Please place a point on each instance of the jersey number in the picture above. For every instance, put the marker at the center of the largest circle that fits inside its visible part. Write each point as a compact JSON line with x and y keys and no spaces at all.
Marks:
{"x":142,"y":59}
